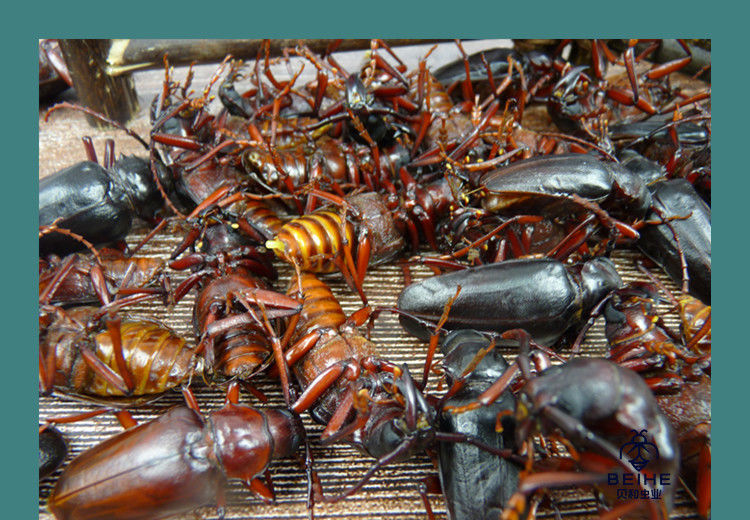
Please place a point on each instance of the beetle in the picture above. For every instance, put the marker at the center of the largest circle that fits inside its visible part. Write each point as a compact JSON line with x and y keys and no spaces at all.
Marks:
{"x":637,"y":336}
{"x":496,"y":66}
{"x":579,"y":99}
{"x":52,"y":450}
{"x":83,"y":352}
{"x":96,"y":202}
{"x":129,"y":357}
{"x":321,"y":241}
{"x":476,"y":483}
{"x":544,"y":296}
{"x":176,"y":462}
{"x":609,"y":420}
{"x":79,"y":286}
{"x":676,"y":199}
{"x":548,"y":183}
{"x":681,"y":147}
{"x":608,"y":416}
{"x":607,"y":408}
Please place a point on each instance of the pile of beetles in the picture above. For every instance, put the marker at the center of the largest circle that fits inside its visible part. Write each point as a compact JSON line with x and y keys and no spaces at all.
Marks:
{"x":447,"y":169}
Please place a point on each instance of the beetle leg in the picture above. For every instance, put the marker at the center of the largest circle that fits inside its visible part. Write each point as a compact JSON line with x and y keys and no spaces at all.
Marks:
{"x":359,"y":317}
{"x":347,"y":268}
{"x":425,"y":119}
{"x":49,"y":291}
{"x":629,"y":60}
{"x":627,"y":97}
{"x":88,"y":146}
{"x":261,"y":490}
{"x":272,"y":299}
{"x":99,"y":282}
{"x":190,"y":399}
{"x":74,"y":418}
{"x":459,"y":383}
{"x":472,"y":137}
{"x":299,"y":349}
{"x":109,"y":154}
{"x":47,"y":368}
{"x":188,"y":283}
{"x":466,"y":88}
{"x":334,"y":430}
{"x":703,"y":489}
{"x":435,"y":337}
{"x":491,"y":394}
{"x":233,"y":394}
{"x":364,"y":249}
{"x":320,"y":90}
{"x":374,"y":148}
{"x":430,"y":484}
{"x":278,"y":353}
{"x":598,"y":59}
{"x":573,"y":240}
{"x":125,"y":419}
{"x":339,"y":416}
{"x":206,"y":348}
{"x":115,"y":333}
{"x":701,"y":333}
{"x":402,"y":448}
{"x":323,"y":382}
{"x":671,"y":66}
{"x":506,"y":453}
{"x":103,"y":371}
{"x":521,"y":219}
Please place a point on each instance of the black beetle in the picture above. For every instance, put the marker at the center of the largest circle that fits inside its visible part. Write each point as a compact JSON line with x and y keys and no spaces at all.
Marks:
{"x":52,"y":450}
{"x":657,"y":127}
{"x":96,"y":202}
{"x":543,"y":296}
{"x":678,"y":198}
{"x":476,"y":484}
{"x":548,"y":183}
{"x":609,"y":411}
{"x":649,"y":171}
{"x":496,"y":58}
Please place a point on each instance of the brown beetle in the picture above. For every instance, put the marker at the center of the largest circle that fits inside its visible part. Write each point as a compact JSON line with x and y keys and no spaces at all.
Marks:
{"x":176,"y":463}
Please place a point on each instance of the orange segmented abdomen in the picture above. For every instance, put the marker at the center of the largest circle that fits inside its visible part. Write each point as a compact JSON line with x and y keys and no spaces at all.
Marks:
{"x":320,"y":308}
{"x":337,"y":342}
{"x":158,"y":359}
{"x":240,"y":352}
{"x":314,"y":242}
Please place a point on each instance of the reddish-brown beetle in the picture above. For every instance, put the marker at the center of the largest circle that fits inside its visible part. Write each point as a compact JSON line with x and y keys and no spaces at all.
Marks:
{"x":176,"y":463}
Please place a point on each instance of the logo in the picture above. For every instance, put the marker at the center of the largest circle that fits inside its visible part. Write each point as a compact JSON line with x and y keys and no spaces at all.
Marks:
{"x":639,"y":450}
